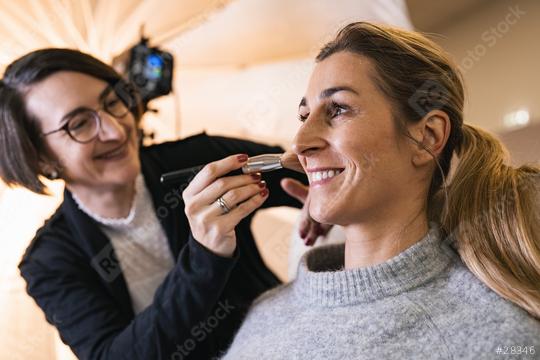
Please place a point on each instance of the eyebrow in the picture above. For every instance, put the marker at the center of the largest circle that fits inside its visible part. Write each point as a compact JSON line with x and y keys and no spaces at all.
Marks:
{"x":326,"y":93}
{"x":73,"y":112}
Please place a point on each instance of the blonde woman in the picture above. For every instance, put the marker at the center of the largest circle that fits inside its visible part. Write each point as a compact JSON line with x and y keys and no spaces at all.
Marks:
{"x":434,"y":266}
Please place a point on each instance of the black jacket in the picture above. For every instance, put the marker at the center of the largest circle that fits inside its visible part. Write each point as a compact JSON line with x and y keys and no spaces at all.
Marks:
{"x":72,"y":272}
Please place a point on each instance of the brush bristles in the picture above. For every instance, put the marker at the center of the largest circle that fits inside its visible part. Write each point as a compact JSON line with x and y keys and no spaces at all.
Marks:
{"x":290,"y":161}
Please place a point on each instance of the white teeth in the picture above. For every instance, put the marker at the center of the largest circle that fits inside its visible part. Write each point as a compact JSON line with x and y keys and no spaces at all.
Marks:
{"x":322,"y":175}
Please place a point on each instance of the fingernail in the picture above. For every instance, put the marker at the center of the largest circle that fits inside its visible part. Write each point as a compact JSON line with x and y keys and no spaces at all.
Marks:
{"x":264,"y":192}
{"x":242,"y":158}
{"x":256,"y":176}
{"x":303,"y":234}
{"x":262,"y":184}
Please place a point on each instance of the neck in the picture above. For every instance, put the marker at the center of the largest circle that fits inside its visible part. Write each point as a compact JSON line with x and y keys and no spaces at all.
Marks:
{"x":114,"y":203}
{"x":372,"y":243}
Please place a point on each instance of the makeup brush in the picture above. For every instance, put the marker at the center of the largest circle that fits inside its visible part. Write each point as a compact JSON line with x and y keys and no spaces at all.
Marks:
{"x":290,"y":161}
{"x":255,"y":164}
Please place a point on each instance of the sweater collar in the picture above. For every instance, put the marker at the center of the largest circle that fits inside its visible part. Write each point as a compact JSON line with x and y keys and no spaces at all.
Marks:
{"x":318,"y":285}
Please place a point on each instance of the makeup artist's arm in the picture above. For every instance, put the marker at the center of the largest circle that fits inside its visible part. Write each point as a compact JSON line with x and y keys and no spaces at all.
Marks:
{"x":90,"y":320}
{"x":93,"y":323}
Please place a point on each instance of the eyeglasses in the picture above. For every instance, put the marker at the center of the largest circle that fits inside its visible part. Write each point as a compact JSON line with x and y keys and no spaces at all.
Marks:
{"x":84,"y":124}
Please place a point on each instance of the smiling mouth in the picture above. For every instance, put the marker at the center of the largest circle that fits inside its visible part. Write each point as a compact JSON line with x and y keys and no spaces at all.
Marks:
{"x":319,"y":176}
{"x":119,"y":151}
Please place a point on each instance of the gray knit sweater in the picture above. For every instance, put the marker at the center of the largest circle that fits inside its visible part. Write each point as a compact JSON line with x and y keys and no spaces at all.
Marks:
{"x":422,"y":304}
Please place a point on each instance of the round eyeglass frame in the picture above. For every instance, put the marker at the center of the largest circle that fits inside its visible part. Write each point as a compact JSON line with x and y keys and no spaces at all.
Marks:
{"x":97,"y":119}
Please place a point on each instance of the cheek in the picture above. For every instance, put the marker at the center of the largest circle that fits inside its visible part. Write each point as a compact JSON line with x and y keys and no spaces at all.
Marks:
{"x":369,"y":179}
{"x":359,"y":149}
{"x":74,"y":156}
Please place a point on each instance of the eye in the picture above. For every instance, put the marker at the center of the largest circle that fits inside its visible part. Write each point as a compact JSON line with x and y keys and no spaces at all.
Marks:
{"x":111,"y":103}
{"x":336,"y":109}
{"x":79,"y":122}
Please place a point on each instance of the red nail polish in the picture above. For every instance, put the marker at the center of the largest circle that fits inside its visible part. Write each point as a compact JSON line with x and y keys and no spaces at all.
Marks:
{"x":242,"y":158}
{"x":256,"y":176}
{"x":264,"y":192}
{"x":262,"y":184}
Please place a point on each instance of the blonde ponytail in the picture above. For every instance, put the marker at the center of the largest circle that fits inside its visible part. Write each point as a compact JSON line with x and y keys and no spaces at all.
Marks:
{"x":493,"y":213}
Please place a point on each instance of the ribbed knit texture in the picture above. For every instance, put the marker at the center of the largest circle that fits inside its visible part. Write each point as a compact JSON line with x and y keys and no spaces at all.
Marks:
{"x":421,"y":304}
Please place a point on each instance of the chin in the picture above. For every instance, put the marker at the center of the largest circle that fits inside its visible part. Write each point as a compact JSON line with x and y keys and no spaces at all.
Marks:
{"x":322,"y":214}
{"x":131,"y":172}
{"x":125,"y":174}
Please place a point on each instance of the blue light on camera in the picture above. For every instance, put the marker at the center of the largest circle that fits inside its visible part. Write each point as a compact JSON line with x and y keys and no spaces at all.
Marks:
{"x":154,"y":67}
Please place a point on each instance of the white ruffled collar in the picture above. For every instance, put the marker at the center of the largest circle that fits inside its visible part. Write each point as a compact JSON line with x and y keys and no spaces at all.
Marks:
{"x":116,"y":222}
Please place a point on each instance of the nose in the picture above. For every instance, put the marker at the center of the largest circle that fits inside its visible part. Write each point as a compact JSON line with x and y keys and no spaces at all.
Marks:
{"x":309,"y":138}
{"x":111,"y":129}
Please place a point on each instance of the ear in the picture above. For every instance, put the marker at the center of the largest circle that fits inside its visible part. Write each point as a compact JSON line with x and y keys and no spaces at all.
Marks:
{"x":431,"y":133}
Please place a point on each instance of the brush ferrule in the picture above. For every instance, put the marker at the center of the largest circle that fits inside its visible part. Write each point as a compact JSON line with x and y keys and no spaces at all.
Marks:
{"x":262,"y":163}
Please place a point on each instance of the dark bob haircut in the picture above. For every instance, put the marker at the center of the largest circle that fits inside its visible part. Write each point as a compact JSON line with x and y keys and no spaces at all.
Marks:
{"x":21,"y":147}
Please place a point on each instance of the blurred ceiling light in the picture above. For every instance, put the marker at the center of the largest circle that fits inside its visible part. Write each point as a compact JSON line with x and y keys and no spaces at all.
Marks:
{"x":516,"y":119}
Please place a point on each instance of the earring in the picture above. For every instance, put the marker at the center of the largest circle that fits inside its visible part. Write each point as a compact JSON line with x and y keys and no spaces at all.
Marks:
{"x":53,"y":175}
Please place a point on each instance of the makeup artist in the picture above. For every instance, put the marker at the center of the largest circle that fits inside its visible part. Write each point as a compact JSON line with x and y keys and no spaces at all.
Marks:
{"x":119,"y":269}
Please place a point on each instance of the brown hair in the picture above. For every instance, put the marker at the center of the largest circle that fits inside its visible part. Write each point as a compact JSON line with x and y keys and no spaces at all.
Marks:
{"x":490,"y":208}
{"x":21,"y":146}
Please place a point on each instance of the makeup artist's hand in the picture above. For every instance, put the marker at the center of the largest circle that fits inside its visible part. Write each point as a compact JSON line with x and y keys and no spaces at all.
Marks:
{"x":309,"y":229}
{"x":210,"y":224}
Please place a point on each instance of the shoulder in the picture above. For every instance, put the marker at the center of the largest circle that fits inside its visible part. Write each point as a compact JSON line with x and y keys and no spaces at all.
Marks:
{"x":267,"y":308}
{"x":51,"y":246}
{"x":167,"y":146}
{"x":272,"y":310}
{"x":472,"y":312}
{"x":275,"y":295}
{"x":202,"y":143}
{"x":498,"y":316}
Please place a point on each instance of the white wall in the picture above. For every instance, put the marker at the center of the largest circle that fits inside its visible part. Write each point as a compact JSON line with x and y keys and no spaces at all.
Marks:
{"x":257,"y":102}
{"x":498,"y":49}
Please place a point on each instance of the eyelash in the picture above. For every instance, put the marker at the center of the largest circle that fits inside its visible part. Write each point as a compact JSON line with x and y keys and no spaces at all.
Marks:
{"x":329,"y":111}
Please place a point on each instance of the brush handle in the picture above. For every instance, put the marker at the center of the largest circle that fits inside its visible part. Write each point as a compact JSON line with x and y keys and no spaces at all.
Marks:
{"x":184,"y":176}
{"x":255,"y":164}
{"x":180,"y":176}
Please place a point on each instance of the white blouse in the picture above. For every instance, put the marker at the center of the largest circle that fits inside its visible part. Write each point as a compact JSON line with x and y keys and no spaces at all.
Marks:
{"x":140,"y":244}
